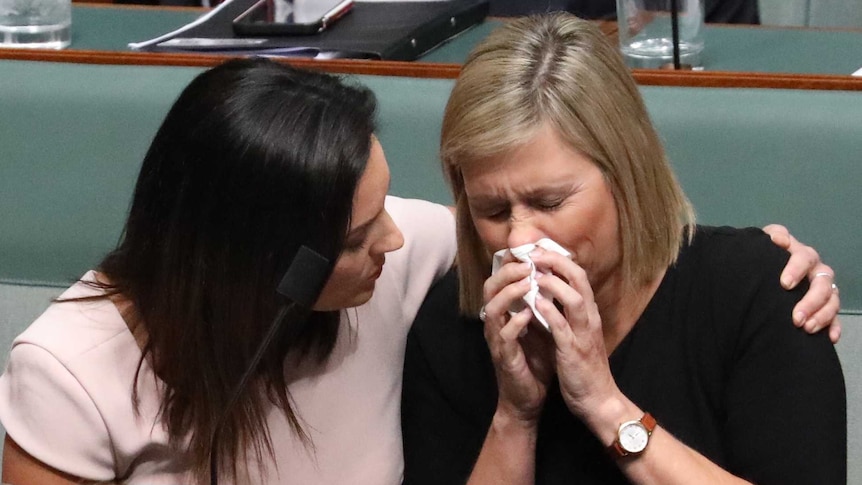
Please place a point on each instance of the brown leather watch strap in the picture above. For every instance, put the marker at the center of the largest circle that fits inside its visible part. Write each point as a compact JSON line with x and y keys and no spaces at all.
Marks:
{"x":649,"y":422}
{"x":616,"y":450}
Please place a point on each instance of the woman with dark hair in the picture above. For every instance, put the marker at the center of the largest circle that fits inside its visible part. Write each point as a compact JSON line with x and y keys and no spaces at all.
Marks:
{"x":127,"y":377}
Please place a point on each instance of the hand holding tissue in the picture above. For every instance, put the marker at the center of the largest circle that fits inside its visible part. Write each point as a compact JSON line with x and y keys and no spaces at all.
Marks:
{"x":522,"y":253}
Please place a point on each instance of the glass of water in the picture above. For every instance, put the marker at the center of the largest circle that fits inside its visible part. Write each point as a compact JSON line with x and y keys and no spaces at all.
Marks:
{"x":35,"y":24}
{"x":646,"y":31}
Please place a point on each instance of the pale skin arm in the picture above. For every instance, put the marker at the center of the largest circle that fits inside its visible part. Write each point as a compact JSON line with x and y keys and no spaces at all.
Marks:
{"x":666,"y":460}
{"x":20,"y":468}
{"x":819,"y":307}
{"x":508,"y":453}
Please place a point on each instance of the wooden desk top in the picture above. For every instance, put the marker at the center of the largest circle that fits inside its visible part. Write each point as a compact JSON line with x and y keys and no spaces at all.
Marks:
{"x":735,"y":56}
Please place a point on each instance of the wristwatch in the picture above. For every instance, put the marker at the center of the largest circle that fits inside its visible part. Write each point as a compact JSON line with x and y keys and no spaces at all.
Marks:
{"x":633,"y":437}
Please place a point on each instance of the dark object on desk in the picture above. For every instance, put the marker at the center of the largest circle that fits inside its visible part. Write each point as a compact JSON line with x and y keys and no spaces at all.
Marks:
{"x":398,"y":31}
{"x":716,"y":11}
{"x":285,"y":17}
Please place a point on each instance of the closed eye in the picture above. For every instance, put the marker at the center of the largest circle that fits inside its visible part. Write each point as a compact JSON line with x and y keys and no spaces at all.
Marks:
{"x":488,"y":208}
{"x":358,"y":237}
{"x":548,"y":205}
{"x":491,"y":213}
{"x":356,"y":243}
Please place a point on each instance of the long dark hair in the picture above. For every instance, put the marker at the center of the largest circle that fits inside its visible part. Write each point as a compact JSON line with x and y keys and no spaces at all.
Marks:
{"x":253,"y":160}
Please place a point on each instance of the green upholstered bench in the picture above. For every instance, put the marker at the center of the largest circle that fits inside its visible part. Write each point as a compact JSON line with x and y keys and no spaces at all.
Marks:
{"x":72,"y":138}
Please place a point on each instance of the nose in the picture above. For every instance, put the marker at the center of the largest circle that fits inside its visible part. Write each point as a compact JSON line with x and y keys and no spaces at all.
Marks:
{"x":392,"y":238}
{"x":522,"y":230}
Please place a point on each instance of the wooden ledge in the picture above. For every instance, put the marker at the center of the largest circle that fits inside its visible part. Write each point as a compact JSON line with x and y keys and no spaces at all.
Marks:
{"x":646,"y":77}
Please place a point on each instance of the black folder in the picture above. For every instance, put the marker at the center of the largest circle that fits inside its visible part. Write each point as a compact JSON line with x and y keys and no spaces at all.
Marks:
{"x":399,"y":31}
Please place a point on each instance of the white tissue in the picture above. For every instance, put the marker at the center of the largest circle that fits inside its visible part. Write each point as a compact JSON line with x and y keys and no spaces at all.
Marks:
{"x":522,"y":253}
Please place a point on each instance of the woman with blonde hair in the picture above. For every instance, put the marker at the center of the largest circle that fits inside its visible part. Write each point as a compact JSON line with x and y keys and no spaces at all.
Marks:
{"x":668,"y":353}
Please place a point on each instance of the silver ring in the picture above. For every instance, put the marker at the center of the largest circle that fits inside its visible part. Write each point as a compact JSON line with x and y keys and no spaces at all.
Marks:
{"x":834,"y":288}
{"x":823,"y":273}
{"x":482,"y":314}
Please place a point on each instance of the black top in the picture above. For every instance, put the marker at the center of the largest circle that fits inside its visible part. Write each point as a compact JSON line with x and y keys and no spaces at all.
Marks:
{"x":397,"y":31}
{"x":723,"y":11}
{"x":714,"y":357}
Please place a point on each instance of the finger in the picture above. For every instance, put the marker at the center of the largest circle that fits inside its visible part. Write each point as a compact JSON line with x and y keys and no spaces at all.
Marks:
{"x":497,"y":307}
{"x":561,"y":330}
{"x":835,"y":331}
{"x":575,"y":339}
{"x":824,"y":317}
{"x":507,"y":274}
{"x":816,"y":299}
{"x":505,"y":345}
{"x":516,"y":325}
{"x":572,"y":273}
{"x":803,"y":261}
{"x":779,"y":235}
{"x":573,"y":302}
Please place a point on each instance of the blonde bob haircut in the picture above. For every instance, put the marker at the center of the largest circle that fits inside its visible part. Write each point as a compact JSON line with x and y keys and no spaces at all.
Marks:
{"x":559,"y":70}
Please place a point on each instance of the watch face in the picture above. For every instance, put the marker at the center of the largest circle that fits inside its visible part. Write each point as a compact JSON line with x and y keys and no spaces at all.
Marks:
{"x":633,"y":437}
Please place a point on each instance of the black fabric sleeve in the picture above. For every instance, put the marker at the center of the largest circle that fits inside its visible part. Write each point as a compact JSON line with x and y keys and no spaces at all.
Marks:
{"x":785,"y":398}
{"x":447,"y":398}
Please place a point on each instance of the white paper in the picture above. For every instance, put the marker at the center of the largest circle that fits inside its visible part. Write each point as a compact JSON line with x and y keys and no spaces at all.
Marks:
{"x":522,"y":253}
